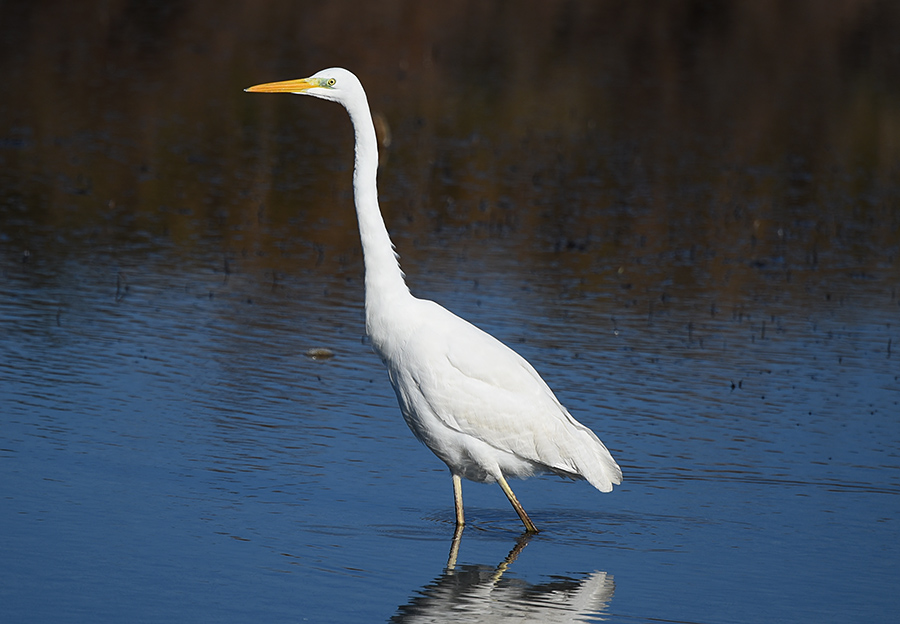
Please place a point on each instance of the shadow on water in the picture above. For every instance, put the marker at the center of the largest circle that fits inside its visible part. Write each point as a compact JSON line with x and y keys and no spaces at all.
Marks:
{"x":492,"y":593}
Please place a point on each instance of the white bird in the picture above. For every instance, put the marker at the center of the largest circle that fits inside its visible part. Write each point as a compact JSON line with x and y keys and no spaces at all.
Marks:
{"x":476,"y":403}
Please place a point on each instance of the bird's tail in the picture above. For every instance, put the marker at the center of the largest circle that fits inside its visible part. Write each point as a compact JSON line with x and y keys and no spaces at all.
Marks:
{"x":590,"y":459}
{"x":600,"y":469}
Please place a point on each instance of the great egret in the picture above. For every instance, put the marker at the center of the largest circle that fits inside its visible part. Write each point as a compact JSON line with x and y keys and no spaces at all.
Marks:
{"x":476,"y":403}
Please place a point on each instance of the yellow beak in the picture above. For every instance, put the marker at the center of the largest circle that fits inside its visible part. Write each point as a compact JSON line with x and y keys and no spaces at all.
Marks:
{"x":285,"y":86}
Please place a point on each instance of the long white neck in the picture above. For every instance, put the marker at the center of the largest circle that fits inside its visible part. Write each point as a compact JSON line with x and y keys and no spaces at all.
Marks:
{"x":384,"y":279}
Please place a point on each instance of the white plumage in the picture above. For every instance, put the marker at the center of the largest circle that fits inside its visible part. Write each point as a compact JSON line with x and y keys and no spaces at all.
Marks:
{"x":476,"y":403}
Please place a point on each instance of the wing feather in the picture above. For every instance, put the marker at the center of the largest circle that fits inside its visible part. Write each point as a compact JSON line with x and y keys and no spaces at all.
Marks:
{"x":475,"y":385}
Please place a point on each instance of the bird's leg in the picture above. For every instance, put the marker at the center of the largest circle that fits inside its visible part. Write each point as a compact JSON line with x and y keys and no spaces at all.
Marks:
{"x":529,"y":525}
{"x":460,"y":521}
{"x":457,"y":499}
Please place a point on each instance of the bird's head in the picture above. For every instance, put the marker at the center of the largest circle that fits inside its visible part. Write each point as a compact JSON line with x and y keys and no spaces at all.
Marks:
{"x":335,"y":84}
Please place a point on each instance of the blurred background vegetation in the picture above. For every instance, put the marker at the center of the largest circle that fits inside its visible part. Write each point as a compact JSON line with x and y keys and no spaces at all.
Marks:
{"x":718,"y":138}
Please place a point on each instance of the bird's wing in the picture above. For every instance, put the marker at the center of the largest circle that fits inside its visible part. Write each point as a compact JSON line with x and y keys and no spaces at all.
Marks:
{"x":476,"y":385}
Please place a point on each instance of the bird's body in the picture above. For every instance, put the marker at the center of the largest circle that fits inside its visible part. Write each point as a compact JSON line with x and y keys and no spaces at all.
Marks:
{"x":476,"y":403}
{"x":479,"y":405}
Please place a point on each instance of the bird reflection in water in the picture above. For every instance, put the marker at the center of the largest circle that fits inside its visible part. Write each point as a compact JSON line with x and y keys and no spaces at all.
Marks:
{"x":475,"y":593}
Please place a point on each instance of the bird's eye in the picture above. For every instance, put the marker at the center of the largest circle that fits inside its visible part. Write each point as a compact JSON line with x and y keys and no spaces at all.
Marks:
{"x":331,"y":82}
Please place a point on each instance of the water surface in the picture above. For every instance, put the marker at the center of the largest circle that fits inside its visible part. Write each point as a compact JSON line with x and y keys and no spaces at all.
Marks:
{"x":695,"y":245}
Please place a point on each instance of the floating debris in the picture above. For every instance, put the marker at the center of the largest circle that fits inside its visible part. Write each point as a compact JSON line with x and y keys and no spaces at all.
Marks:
{"x":319,"y":353}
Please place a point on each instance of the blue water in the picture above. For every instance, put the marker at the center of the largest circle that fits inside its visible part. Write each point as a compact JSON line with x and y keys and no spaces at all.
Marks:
{"x":684,"y":214}
{"x":169,"y":453}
